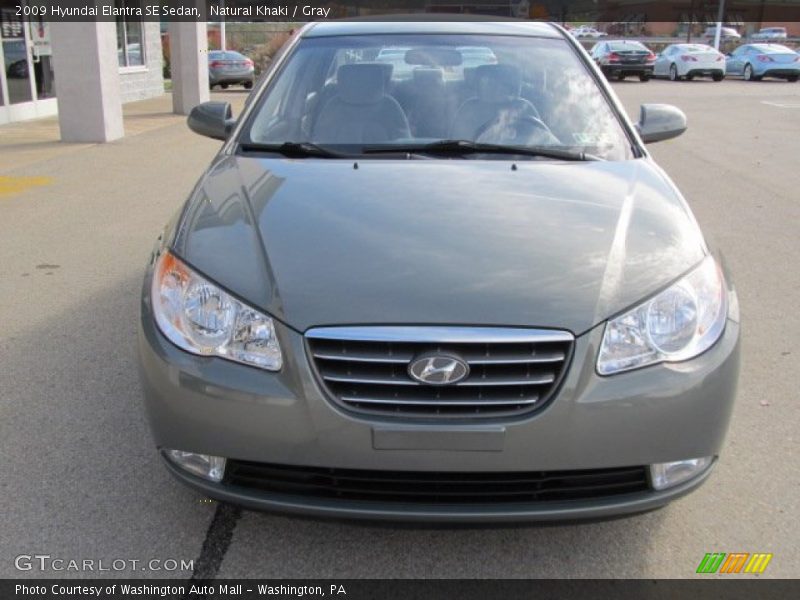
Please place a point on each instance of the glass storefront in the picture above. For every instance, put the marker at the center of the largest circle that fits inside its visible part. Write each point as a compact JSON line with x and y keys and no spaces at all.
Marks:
{"x":130,"y":42}
{"x":27,"y":81}
{"x":42,"y":52}
{"x":18,"y":75}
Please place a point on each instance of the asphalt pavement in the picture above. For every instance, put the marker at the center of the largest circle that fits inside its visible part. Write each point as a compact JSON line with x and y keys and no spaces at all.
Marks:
{"x":80,"y":479}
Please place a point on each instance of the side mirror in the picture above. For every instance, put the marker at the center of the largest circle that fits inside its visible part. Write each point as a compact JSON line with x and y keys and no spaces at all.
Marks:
{"x":659,"y":122}
{"x":212,"y":119}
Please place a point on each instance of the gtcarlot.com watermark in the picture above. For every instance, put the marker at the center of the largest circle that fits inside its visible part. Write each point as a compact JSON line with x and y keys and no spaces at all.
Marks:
{"x":49,"y":563}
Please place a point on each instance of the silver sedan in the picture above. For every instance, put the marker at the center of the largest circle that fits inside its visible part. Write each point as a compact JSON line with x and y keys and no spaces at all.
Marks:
{"x":467,"y":294}
{"x":230,"y":68}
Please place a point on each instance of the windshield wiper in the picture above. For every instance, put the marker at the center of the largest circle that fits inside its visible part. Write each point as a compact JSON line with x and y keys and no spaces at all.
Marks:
{"x":293,"y":150}
{"x":461,"y":147}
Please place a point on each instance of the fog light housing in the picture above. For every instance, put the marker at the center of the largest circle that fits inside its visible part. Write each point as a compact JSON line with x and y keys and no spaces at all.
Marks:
{"x":203,"y":465}
{"x":667,"y":475}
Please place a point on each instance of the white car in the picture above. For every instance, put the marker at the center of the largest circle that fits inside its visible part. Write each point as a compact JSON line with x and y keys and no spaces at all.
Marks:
{"x":587,"y":32}
{"x":726,"y":33}
{"x":679,"y":61}
{"x":770,"y":33}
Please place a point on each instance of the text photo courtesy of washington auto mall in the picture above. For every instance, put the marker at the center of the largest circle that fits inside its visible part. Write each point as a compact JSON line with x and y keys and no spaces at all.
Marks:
{"x":399,"y":299}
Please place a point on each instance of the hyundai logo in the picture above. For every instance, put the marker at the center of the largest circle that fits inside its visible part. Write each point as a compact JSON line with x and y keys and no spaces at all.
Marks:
{"x":438,"y":369}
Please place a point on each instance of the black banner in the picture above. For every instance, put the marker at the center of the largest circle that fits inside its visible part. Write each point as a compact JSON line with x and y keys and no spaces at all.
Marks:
{"x":607,"y":11}
{"x":716,"y":587}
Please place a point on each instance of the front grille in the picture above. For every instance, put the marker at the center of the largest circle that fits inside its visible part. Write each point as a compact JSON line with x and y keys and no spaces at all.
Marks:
{"x":511,"y":371}
{"x":435,"y":487}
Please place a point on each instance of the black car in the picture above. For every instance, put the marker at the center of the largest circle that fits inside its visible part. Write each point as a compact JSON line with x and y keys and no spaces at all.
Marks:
{"x":622,"y":58}
{"x":17,"y":70}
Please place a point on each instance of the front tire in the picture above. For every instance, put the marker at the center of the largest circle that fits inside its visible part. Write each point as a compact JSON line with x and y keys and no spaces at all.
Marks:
{"x":248,"y":85}
{"x":792,"y":78}
{"x":673,"y":73}
{"x":224,"y":86}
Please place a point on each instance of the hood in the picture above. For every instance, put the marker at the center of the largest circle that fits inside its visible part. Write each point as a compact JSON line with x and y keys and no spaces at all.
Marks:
{"x":319,"y":242}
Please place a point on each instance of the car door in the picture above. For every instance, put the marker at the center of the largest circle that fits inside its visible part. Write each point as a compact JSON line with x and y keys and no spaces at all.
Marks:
{"x":661,"y":66}
{"x":602,"y":51}
{"x":595,"y":53}
{"x":734,"y":63}
{"x":749,"y":55}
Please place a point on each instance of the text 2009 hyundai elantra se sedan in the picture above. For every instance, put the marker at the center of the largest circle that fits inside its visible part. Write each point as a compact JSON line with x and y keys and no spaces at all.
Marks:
{"x":408,"y":288}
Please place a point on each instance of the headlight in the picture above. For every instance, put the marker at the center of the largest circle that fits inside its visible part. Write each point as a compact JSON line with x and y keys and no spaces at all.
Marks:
{"x":678,"y":324}
{"x":201,"y":318}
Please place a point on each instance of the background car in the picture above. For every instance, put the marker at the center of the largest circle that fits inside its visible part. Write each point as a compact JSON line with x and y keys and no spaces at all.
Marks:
{"x":230,"y":68}
{"x":16,"y":59}
{"x":587,"y":32}
{"x":770,"y":33}
{"x":754,"y":61}
{"x":690,"y":60}
{"x":18,"y":69}
{"x":725,"y":34}
{"x":621,"y":58}
{"x":134,"y":55}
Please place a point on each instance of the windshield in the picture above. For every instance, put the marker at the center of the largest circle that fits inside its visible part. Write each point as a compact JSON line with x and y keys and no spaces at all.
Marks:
{"x":351,"y":93}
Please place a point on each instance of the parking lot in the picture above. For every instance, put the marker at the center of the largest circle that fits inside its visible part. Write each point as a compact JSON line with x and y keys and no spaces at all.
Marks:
{"x":79,"y":476}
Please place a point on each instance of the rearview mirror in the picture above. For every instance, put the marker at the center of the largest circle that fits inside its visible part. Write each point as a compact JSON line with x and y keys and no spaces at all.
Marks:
{"x":212,"y":119}
{"x":659,"y":122}
{"x":433,"y":57}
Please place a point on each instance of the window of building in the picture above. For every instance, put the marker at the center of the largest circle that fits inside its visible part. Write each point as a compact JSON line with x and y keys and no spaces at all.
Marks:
{"x":130,"y":36}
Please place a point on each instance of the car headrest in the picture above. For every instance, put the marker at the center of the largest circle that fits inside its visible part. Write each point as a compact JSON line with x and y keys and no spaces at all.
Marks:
{"x":388,"y":69}
{"x":471,"y":77}
{"x":432,"y":78}
{"x":498,"y":83}
{"x":361,"y":83}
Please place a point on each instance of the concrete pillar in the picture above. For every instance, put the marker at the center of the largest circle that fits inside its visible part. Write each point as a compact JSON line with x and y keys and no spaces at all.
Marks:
{"x":87,"y":77}
{"x":188,"y":49}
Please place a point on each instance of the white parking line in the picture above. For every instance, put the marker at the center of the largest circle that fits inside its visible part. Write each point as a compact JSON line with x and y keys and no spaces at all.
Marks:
{"x":781,"y":104}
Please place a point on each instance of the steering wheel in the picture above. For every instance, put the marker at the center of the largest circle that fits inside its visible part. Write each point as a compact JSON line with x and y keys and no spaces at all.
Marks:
{"x":515,"y":129}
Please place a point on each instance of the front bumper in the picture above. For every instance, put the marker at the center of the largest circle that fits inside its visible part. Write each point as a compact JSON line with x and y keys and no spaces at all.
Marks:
{"x":657,"y":414}
{"x":605,"y":508}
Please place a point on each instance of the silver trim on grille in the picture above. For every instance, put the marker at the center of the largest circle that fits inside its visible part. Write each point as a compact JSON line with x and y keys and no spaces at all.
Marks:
{"x":552,"y":357}
{"x":512,"y":370}
{"x":441,"y":335}
{"x":467,"y":383}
